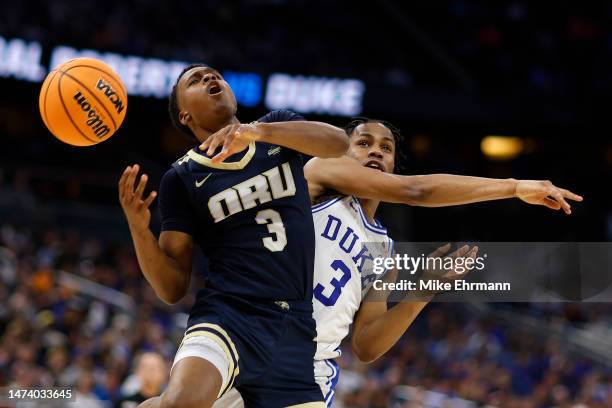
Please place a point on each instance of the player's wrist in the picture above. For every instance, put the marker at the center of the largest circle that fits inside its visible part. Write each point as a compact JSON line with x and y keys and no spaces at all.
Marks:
{"x":138,"y":229}
{"x":514,"y":187}
{"x":262,"y":132}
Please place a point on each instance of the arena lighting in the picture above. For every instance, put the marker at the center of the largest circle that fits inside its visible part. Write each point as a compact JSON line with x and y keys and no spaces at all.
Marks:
{"x":153,"y":77}
{"x":501,"y":147}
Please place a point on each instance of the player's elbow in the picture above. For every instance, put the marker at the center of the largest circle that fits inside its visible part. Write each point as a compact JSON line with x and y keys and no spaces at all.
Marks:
{"x":364,"y":351}
{"x":365,"y":354}
{"x":171,"y":297}
{"x":414,"y":192}
{"x":336,"y":145}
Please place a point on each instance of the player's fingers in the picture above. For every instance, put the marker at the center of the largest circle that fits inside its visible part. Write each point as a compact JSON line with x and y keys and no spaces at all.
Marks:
{"x":552,"y":204}
{"x":222,"y":155}
{"x":227,"y":147}
{"x":460,"y":252}
{"x":214,"y":143}
{"x":129,"y":183}
{"x":440,"y":251}
{"x":472,"y":253}
{"x":141,"y":186}
{"x":205,"y":144}
{"x":147,"y":202}
{"x":121,"y":183}
{"x":570,"y":195}
{"x":559,"y":198}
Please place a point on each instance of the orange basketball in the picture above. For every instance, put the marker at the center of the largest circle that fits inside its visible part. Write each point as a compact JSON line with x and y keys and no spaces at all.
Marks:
{"x":83,"y":102}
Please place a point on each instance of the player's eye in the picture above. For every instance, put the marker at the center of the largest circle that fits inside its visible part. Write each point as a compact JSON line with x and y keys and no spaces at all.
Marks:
{"x":193,"y":81}
{"x":387,"y":148}
{"x":362,"y":143}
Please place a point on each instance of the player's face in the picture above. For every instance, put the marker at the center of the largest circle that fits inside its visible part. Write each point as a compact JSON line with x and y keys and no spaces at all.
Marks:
{"x":205,"y":99}
{"x":374,"y":146}
{"x":152,"y":369}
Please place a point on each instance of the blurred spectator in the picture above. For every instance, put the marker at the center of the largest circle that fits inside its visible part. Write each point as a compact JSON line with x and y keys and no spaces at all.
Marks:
{"x":151,"y":374}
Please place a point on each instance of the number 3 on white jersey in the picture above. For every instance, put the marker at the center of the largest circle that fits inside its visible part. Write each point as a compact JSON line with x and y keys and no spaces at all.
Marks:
{"x":275,"y":227}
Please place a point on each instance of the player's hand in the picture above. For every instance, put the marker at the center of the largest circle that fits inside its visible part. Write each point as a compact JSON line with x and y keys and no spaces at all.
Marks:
{"x":136,"y":208}
{"x":460,"y":269}
{"x":232,"y":139}
{"x":545,"y":193}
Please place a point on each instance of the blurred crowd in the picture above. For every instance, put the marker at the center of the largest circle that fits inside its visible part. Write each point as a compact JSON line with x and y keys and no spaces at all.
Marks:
{"x":60,"y":333}
{"x":508,"y":45}
{"x":57,"y":331}
{"x":457,"y":353}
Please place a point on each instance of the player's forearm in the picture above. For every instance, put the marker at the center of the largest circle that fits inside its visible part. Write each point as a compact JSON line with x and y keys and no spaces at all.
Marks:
{"x":162,"y":272}
{"x":375,"y":338}
{"x":438,"y":190}
{"x":311,"y":138}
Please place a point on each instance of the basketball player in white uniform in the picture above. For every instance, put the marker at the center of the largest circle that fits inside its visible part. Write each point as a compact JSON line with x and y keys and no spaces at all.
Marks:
{"x":344,"y":223}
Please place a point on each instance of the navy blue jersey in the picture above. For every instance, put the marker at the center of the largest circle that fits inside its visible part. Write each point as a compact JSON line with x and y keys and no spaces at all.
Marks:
{"x":250,"y":215}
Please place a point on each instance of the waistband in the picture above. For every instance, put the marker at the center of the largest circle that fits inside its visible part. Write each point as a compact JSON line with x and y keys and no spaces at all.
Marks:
{"x":301,"y":307}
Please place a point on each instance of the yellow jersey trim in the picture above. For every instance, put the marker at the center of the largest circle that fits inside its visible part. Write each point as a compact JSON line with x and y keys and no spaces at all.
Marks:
{"x":239,"y":165}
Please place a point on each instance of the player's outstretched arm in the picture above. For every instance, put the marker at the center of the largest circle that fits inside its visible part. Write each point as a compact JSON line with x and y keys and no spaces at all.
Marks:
{"x":166,"y":265}
{"x":376,"y":329}
{"x":345,"y":175}
{"x":311,"y":138}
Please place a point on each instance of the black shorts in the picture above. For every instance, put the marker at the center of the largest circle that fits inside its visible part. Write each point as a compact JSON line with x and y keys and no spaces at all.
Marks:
{"x":271,"y":346}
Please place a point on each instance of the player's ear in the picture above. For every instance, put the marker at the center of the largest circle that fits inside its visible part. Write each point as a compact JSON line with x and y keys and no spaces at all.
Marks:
{"x":184,"y":117}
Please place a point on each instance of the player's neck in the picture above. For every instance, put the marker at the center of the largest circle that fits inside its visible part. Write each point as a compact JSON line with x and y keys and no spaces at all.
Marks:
{"x":369,"y":208}
{"x":202,"y":134}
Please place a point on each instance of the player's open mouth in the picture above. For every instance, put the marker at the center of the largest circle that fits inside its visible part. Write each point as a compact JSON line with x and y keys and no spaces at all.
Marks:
{"x":215,"y":89}
{"x":373,"y":164}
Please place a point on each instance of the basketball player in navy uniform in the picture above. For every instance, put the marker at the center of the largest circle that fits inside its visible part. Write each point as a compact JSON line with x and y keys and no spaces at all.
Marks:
{"x":242,"y":197}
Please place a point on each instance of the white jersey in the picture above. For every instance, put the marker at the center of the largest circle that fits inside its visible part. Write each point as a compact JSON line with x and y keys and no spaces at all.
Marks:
{"x":346,"y":244}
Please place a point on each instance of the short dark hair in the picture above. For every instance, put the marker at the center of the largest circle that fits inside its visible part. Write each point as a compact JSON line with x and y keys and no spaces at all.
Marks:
{"x":400,"y":155}
{"x":173,"y":108}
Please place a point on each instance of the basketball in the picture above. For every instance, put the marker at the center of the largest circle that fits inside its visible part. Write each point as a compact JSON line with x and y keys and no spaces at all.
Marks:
{"x":83,"y":102}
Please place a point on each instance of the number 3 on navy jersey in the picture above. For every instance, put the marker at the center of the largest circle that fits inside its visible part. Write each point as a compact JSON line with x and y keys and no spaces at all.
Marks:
{"x":275,"y":227}
{"x":337,"y":284}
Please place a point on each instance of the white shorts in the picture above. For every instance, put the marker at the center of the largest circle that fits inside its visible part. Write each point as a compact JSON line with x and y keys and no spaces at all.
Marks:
{"x":230,"y":399}
{"x":327,"y":373}
{"x":212,"y":349}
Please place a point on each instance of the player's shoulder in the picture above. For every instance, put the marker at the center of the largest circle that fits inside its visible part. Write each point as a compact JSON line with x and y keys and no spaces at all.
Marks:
{"x":184,"y":159}
{"x":170,"y":181}
{"x":281,"y":115}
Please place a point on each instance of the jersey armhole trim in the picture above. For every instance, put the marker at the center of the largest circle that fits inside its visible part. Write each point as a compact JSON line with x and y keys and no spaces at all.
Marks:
{"x":371,"y":227}
{"x":325,"y":204}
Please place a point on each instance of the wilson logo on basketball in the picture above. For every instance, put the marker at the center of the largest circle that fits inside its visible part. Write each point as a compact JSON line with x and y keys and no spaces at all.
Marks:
{"x":110,"y":94}
{"x":94,"y":121}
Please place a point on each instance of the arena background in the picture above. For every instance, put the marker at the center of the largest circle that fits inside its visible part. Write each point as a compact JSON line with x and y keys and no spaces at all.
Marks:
{"x":74,"y":307}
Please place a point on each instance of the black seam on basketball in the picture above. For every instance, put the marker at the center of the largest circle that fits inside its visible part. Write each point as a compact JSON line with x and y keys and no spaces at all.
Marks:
{"x":95,"y":97}
{"x":59,"y":91}
{"x":112,"y":75}
{"x":44,"y":109}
